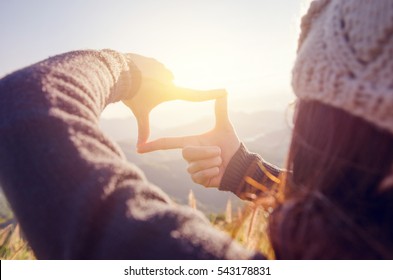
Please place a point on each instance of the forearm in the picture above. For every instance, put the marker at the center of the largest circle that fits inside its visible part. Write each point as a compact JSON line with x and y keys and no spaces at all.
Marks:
{"x":249,"y":176}
{"x":52,"y":156}
{"x":70,"y":187}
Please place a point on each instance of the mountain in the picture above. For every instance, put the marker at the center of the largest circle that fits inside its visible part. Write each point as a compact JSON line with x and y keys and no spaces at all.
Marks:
{"x":246,"y":124}
{"x":272,"y":146}
{"x":265,"y":132}
{"x":167,"y":170}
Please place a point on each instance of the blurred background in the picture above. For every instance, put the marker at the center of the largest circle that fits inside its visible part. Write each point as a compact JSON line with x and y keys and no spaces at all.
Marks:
{"x":245,"y":46}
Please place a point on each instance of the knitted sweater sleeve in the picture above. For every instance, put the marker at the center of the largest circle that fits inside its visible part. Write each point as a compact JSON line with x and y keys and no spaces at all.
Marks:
{"x":70,"y":187}
{"x":249,"y":176}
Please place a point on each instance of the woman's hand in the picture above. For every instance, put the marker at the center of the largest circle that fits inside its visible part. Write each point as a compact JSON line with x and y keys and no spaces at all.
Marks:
{"x":157,"y":87}
{"x":207,"y":154}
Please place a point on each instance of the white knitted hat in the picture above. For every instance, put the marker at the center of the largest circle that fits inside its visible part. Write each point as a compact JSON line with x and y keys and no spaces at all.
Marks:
{"x":345,"y":58}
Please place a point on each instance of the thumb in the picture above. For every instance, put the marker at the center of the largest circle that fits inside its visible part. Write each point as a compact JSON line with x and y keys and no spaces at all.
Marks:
{"x":221,"y":112}
{"x":143,"y":128}
{"x":197,"y":95}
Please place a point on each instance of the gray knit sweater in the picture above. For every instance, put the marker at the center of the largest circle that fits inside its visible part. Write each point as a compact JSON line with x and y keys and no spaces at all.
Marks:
{"x":70,"y":187}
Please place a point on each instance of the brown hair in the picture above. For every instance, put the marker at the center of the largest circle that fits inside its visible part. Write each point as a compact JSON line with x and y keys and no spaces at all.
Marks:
{"x":333,"y":207}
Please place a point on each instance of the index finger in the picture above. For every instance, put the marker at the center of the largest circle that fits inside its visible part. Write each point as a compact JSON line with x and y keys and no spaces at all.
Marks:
{"x":197,"y":95}
{"x":168,"y":143}
{"x":193,"y":153}
{"x":221,"y":112}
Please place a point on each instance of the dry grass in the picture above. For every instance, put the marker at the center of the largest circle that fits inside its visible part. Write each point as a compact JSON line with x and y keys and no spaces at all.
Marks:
{"x":248,"y":227}
{"x":12,"y":244}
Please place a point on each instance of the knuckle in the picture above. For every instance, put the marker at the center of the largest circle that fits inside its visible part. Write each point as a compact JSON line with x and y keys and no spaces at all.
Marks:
{"x":196,"y":179}
{"x":215,"y":171}
{"x":218,"y":161}
{"x":200,"y":165}
{"x":204,"y":174}
{"x":190,"y":168}
{"x":186,"y":153}
{"x":217,"y":150}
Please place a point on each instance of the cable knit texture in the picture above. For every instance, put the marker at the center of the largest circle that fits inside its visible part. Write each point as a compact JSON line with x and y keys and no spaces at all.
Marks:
{"x":345,"y":58}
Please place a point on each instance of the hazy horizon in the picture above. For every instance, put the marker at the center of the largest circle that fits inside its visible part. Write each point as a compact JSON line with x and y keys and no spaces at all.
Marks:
{"x":247,"y":47}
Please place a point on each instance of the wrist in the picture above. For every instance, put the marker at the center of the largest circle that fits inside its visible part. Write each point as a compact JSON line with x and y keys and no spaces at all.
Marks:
{"x":233,"y":178}
{"x":128,"y":80}
{"x":135,"y":79}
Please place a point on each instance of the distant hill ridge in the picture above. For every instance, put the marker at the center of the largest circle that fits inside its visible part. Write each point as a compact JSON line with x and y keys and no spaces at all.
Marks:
{"x":264,"y":132}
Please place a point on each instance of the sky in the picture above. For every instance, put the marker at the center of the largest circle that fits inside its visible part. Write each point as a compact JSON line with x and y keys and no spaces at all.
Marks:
{"x":245,"y":46}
